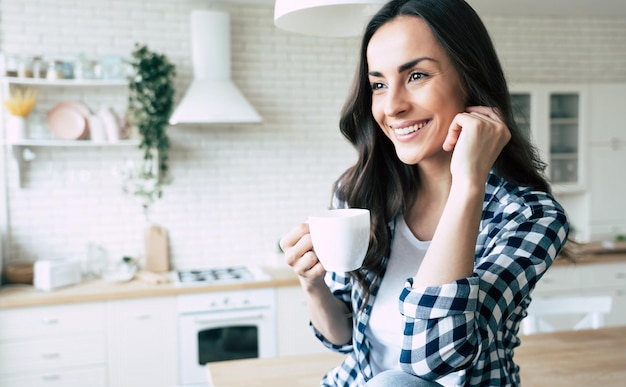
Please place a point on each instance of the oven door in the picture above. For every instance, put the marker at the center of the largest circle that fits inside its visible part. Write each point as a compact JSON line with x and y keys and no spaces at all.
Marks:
{"x":223,"y":335}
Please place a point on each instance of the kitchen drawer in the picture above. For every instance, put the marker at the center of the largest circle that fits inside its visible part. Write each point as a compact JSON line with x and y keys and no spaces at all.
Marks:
{"x":559,"y":279}
{"x":603,"y":275}
{"x":51,"y":353}
{"x":51,"y":321}
{"x":92,"y":377}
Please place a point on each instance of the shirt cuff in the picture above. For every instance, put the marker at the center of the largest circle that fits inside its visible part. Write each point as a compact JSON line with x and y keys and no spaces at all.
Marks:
{"x":434,"y":302}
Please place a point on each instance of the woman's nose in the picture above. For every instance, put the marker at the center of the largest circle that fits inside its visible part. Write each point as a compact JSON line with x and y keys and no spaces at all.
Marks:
{"x":397,"y":101}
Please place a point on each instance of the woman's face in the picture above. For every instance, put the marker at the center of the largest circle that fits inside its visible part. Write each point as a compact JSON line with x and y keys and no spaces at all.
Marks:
{"x":416,"y":91}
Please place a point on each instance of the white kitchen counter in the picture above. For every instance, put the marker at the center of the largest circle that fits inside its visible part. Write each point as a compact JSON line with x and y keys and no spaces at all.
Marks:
{"x":15,"y":296}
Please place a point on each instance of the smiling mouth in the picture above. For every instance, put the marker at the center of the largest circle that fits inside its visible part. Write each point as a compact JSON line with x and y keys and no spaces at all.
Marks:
{"x":410,"y":129}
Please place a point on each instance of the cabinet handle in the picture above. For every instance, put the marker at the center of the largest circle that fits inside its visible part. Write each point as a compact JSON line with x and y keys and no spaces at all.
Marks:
{"x":225,"y":319}
{"x":620,"y":275}
{"x":49,"y":321}
{"x":50,"y":378}
{"x":143,"y":316}
{"x":615,"y":143}
{"x":51,"y":355}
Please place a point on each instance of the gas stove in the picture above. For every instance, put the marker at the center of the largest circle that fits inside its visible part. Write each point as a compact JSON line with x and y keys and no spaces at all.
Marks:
{"x":220,"y":275}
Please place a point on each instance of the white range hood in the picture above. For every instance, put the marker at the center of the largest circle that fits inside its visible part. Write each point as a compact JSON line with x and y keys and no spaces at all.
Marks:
{"x":212,"y":97}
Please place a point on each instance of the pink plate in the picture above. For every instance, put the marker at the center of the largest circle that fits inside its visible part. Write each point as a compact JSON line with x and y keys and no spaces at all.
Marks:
{"x":67,"y":122}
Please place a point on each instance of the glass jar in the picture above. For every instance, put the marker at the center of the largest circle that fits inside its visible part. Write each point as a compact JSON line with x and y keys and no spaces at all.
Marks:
{"x":11,"y":63}
{"x":25,"y":68}
{"x":54,"y":69}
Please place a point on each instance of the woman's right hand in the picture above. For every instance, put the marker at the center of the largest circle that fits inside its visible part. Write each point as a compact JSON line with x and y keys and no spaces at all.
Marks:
{"x":299,"y":254}
{"x":329,"y":315}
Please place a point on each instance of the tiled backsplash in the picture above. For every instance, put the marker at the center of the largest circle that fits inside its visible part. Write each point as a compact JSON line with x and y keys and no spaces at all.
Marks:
{"x":236,"y":188}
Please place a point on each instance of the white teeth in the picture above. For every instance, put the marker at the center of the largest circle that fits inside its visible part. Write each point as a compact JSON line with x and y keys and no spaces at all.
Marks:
{"x":410,"y":129}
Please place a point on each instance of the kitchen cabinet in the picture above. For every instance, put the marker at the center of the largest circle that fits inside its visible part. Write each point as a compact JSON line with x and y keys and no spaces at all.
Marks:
{"x":142,"y":342}
{"x":295,"y":336}
{"x":23,"y":151}
{"x":50,"y":346}
{"x":578,"y":131}
{"x":607,"y":154}
{"x":554,"y":118}
{"x":600,"y":279}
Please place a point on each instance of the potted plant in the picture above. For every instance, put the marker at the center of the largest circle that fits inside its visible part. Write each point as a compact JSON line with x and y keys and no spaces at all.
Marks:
{"x":150,"y":104}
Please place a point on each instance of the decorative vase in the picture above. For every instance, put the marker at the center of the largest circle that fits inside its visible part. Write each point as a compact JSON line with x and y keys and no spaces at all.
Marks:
{"x":17,"y":128}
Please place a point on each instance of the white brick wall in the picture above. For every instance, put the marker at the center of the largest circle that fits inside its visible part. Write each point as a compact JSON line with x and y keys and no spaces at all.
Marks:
{"x":236,"y":188}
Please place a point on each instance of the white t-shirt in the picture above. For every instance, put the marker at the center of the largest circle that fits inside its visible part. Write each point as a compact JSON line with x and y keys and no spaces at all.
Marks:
{"x":385,"y":325}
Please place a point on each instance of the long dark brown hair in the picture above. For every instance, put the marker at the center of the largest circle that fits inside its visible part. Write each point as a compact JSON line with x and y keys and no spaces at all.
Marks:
{"x":379,"y":181}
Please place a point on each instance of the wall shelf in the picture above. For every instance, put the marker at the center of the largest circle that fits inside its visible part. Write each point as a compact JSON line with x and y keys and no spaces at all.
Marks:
{"x":22,"y":151}
{"x":71,"y":143}
{"x":64,"y":82}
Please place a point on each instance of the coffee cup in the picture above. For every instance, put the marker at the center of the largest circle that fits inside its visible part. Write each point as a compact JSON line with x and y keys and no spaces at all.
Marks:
{"x":340,"y":238}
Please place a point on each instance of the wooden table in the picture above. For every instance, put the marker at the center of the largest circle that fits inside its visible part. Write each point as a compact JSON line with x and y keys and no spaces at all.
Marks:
{"x":575,"y":358}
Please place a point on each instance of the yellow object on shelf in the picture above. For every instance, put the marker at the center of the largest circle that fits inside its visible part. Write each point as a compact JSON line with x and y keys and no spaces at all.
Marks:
{"x":21,"y":101}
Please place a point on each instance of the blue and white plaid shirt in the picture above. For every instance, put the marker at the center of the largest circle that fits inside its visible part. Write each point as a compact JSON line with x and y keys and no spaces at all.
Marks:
{"x":472,"y":323}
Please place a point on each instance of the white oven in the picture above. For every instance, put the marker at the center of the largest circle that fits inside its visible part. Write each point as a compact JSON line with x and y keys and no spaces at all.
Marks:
{"x":227,"y":325}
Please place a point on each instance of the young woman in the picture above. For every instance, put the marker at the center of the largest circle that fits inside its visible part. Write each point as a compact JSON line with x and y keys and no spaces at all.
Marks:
{"x":463,"y":223}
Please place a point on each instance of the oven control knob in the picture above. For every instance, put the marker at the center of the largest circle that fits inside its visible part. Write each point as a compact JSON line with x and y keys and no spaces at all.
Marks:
{"x":226,"y":301}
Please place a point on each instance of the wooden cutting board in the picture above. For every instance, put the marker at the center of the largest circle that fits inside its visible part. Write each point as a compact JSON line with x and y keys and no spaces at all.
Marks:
{"x":156,"y":249}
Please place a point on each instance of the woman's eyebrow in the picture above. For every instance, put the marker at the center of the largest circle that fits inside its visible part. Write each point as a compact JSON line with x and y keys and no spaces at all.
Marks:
{"x":406,"y":66}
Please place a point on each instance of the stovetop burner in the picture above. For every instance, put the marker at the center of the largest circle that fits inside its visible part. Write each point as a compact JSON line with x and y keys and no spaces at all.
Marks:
{"x":221,"y":275}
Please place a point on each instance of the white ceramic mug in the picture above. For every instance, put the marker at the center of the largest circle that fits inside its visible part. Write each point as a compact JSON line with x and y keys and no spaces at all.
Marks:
{"x":340,"y":238}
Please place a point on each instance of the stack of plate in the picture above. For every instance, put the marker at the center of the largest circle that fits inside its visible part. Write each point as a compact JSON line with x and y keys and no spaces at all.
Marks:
{"x":69,"y":121}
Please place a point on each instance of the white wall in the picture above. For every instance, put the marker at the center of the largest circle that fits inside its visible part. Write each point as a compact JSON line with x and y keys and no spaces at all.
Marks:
{"x":236,"y":188}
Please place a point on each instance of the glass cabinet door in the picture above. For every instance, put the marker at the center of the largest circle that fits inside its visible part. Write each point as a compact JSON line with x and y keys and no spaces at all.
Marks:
{"x":521,"y":111}
{"x":564,"y":144}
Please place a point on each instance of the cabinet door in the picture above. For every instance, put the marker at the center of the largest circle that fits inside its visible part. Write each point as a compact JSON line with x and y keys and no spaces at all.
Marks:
{"x":295,"y":337}
{"x":608,"y":189}
{"x":143,"y":348}
{"x":521,"y":105}
{"x":607,"y":109}
{"x":553,"y":117}
{"x":564,"y":127}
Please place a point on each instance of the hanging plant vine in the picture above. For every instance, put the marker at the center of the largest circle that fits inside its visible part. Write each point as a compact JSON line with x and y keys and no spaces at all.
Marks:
{"x":150,"y":104}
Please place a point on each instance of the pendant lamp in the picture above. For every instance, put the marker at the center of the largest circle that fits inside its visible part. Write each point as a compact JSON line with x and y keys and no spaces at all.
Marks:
{"x":325,"y":18}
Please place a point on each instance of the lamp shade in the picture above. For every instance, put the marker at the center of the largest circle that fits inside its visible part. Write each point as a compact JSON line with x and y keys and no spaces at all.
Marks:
{"x":326,"y":18}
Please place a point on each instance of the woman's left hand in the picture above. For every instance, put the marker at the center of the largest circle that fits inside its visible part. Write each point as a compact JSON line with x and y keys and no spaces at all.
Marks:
{"x":476,"y":137}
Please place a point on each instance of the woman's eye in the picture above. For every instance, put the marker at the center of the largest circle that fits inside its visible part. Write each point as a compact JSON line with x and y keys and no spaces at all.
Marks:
{"x":416,"y":76}
{"x":376,"y":86}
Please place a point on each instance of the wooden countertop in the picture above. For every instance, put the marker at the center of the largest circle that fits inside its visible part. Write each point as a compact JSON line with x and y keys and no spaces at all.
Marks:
{"x":573,"y":358}
{"x":593,"y":258}
{"x":14,"y":296}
